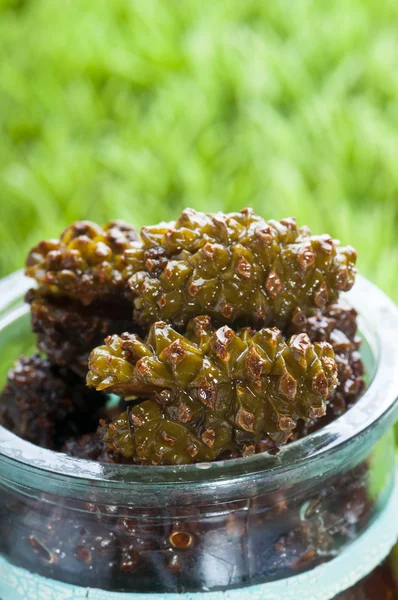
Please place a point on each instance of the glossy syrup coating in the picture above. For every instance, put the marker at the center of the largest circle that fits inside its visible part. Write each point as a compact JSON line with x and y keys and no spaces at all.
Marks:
{"x":67,"y":330}
{"x":45,"y":404}
{"x":85,"y":263}
{"x":214,"y":390}
{"x":234,"y":267}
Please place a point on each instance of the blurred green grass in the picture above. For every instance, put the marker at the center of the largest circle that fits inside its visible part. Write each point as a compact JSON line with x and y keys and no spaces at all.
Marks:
{"x":137,"y":109}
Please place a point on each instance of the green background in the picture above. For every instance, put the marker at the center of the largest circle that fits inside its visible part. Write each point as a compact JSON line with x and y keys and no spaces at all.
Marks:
{"x":137,"y":109}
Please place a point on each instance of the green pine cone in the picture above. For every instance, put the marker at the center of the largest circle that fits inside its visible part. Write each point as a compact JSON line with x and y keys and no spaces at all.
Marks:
{"x":86,"y":263}
{"x":236,"y":268}
{"x":220,"y":389}
{"x":145,"y":435}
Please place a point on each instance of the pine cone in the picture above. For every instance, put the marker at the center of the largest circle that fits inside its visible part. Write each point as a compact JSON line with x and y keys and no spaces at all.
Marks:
{"x":67,"y":330}
{"x":236,"y":268}
{"x":86,"y":263}
{"x":216,"y":390}
{"x":44,"y":404}
{"x":337,"y":325}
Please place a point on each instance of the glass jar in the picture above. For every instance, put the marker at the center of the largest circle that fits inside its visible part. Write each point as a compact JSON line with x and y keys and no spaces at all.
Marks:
{"x":312,"y":521}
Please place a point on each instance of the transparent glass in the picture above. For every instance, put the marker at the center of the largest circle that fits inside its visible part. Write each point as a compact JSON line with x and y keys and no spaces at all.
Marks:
{"x":215,"y":526}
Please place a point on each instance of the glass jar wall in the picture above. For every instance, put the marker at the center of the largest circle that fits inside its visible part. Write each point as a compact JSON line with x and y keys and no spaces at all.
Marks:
{"x":381,"y":583}
{"x":231,"y":525}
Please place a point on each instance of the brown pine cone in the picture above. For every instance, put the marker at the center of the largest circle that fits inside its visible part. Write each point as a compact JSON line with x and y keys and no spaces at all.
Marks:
{"x":67,"y":330}
{"x":45,"y":404}
{"x":337,"y":324}
{"x":91,"y":447}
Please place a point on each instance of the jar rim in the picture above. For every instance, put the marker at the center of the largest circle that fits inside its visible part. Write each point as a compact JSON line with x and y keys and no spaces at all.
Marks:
{"x":378,"y":322}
